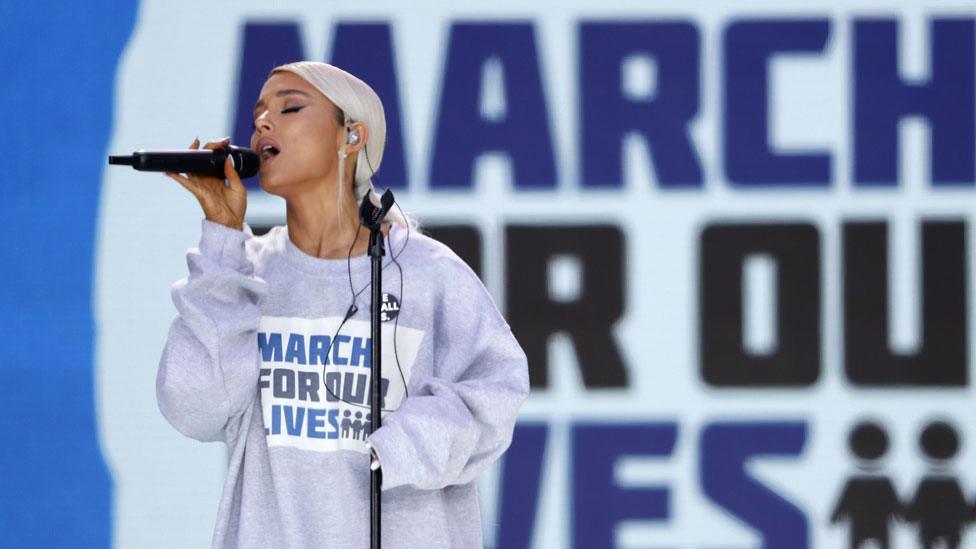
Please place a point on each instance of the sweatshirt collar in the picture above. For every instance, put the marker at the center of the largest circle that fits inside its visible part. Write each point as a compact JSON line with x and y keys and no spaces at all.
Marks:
{"x":341,"y":267}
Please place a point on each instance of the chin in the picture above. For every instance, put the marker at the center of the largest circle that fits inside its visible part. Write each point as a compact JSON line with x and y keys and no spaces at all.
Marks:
{"x":272,"y":182}
{"x":282,"y":186}
{"x":272,"y":185}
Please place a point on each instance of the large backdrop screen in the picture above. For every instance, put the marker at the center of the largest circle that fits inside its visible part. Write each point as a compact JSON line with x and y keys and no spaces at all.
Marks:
{"x":734,"y":240}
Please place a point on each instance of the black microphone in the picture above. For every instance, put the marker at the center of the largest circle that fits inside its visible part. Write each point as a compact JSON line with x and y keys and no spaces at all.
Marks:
{"x":203,"y":161}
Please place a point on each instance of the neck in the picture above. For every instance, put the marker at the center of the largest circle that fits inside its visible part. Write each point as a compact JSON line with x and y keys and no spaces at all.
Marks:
{"x":316,"y":226}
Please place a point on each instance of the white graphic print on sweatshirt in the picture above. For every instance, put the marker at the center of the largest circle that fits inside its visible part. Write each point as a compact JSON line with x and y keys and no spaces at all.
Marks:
{"x":303,"y":409}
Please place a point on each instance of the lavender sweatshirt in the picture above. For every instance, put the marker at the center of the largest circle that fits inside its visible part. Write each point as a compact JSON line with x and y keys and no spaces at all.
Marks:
{"x":256,"y":358}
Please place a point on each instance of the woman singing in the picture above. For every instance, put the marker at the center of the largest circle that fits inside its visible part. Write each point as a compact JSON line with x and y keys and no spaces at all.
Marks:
{"x":270,"y":351}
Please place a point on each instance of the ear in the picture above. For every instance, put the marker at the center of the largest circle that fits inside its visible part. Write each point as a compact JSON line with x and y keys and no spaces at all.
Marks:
{"x":359,"y":129}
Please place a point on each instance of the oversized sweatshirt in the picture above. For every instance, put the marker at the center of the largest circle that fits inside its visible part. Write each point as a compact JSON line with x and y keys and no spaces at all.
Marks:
{"x":260,"y":357}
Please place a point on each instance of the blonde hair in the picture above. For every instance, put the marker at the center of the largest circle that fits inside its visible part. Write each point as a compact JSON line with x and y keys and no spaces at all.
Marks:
{"x":358,"y":103}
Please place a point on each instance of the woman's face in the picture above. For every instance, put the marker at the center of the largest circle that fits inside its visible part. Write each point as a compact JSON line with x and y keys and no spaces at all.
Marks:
{"x":296,"y":135}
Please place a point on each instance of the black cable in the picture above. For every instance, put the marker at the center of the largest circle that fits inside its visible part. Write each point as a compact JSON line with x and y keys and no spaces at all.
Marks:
{"x":393,"y":257}
{"x":355,"y":295}
{"x":353,"y":309}
{"x":396,"y":321}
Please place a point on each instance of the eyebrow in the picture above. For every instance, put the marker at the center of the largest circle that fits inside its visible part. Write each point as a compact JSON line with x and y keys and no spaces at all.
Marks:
{"x":280,"y":93}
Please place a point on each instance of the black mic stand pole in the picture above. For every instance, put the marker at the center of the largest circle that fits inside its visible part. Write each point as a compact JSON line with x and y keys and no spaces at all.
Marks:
{"x":372,"y":217}
{"x":376,"y":253}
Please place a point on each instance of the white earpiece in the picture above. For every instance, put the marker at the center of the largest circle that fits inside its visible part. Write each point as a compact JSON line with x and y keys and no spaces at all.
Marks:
{"x":353,"y":137}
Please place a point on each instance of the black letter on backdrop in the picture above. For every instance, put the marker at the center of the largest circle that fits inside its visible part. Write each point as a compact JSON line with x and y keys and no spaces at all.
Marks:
{"x":796,"y":250}
{"x":588,"y":320}
{"x":941,"y":359}
{"x":464,"y":240}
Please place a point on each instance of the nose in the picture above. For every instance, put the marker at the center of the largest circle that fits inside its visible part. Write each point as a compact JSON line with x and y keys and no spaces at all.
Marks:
{"x":262,"y":122}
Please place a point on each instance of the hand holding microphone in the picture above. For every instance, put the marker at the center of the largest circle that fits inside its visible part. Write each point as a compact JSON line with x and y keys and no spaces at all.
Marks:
{"x":222,"y":203}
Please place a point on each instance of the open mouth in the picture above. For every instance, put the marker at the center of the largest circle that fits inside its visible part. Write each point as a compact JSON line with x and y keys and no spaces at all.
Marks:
{"x":268,"y":152}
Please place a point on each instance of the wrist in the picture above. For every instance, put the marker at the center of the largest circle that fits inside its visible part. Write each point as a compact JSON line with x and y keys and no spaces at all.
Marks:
{"x":227,"y":222}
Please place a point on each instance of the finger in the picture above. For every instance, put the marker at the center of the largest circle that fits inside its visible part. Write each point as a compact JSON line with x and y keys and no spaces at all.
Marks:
{"x":195,"y":187}
{"x":202,"y":194}
{"x":196,"y":143}
{"x":232,"y":176}
{"x":187,"y":184}
{"x":217,"y":144}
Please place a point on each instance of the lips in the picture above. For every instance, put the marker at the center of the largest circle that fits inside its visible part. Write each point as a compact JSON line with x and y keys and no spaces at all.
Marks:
{"x":267,"y":149}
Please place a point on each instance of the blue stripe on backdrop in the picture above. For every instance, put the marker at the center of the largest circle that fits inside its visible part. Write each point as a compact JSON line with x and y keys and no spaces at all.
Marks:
{"x":58,"y":61}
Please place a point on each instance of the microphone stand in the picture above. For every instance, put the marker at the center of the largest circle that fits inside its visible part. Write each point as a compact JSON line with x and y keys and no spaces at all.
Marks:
{"x":371,"y":217}
{"x":376,"y":253}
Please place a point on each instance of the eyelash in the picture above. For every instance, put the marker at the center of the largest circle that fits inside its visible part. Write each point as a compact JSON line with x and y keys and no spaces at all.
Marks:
{"x":285,"y":111}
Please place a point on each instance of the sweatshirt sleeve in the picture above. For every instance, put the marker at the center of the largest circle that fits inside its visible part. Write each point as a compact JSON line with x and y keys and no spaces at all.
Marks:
{"x":208,"y":372}
{"x":457,"y":423}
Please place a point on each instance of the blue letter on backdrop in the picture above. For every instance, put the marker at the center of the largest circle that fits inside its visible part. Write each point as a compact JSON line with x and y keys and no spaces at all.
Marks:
{"x":726,"y":449}
{"x":375,"y":65}
{"x":882,"y":98}
{"x":266,"y":45}
{"x":598,"y":502}
{"x":749,"y":47}
{"x":520,"y":483}
{"x":607,"y":115}
{"x":463,"y":133}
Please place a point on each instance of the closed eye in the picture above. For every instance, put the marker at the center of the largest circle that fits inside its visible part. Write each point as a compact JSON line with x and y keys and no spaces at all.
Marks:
{"x":285,"y":111}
